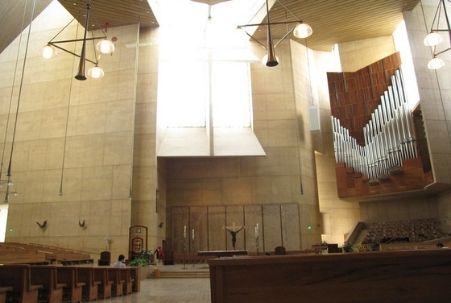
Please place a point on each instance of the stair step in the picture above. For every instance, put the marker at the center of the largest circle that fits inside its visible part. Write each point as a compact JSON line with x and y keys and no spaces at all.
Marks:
{"x":184,"y":274}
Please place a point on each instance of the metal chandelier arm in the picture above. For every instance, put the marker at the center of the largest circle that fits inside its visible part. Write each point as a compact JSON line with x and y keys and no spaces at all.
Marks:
{"x":72,"y":53}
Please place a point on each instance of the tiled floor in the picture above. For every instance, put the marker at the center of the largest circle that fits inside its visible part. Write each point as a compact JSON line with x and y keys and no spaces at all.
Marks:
{"x":168,"y":291}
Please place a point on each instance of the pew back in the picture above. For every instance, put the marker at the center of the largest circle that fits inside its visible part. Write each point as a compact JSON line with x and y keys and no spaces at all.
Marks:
{"x":413,"y":276}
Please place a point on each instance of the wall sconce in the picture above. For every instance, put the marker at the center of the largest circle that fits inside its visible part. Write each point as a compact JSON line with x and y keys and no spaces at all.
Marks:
{"x":82,"y":224}
{"x":42,"y":225}
{"x":434,"y":38}
{"x":301,"y":31}
{"x":104,"y":46}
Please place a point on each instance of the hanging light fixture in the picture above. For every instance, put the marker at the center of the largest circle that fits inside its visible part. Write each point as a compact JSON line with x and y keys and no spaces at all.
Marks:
{"x":434,"y":38}
{"x":301,"y":31}
{"x":104,"y":46}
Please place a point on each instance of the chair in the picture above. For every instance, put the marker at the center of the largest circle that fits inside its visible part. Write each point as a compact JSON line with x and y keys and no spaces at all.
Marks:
{"x":105,"y":258}
{"x":280,"y":250}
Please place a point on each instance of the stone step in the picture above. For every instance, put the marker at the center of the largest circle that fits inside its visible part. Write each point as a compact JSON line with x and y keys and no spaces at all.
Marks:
{"x":183,"y":274}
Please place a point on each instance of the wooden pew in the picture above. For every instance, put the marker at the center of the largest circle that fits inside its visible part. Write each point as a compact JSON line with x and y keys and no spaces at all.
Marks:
{"x":3,"y":291}
{"x":118,"y":281}
{"x":136,"y":279}
{"x":128,"y":277}
{"x":102,"y":274}
{"x":402,"y":276}
{"x":47,"y":276}
{"x":74,"y":287}
{"x":52,"y":253}
{"x":91,"y":287}
{"x":22,"y":257}
{"x":19,"y":279}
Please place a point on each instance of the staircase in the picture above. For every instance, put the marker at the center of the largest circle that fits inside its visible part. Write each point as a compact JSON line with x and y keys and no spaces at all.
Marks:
{"x":180,"y":271}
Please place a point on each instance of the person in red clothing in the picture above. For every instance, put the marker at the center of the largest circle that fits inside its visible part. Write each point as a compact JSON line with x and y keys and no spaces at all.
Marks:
{"x":159,"y":254}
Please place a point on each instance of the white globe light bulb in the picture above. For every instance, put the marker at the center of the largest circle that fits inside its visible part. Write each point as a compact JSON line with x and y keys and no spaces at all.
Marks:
{"x":436,"y":63}
{"x":96,"y":72}
{"x":47,"y":52}
{"x":302,"y":30}
{"x":105,"y":46}
{"x":432,"y":39}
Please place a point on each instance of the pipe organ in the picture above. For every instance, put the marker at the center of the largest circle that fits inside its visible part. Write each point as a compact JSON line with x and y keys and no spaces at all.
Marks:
{"x":389,"y":137}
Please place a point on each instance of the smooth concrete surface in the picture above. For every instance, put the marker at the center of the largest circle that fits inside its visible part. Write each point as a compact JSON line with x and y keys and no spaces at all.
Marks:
{"x":183,"y":290}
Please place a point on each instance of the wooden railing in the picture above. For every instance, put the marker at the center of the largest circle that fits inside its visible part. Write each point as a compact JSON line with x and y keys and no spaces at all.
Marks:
{"x":404,"y":276}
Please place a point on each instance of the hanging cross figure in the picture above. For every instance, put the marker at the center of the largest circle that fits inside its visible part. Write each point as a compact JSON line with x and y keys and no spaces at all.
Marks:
{"x":233,"y":230}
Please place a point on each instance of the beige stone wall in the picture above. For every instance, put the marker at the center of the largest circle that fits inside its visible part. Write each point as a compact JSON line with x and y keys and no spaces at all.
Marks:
{"x":401,"y":209}
{"x":144,"y":192}
{"x":355,"y":55}
{"x":338,"y":217}
{"x":304,"y":97}
{"x":444,"y":211}
{"x":255,"y":181}
{"x":434,"y":89}
{"x":99,"y":142}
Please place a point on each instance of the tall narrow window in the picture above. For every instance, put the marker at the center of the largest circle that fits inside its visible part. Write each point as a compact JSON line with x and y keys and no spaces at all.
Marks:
{"x":231,"y":95}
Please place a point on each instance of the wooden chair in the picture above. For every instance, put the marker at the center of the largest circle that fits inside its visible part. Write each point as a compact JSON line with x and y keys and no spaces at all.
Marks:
{"x":17,"y":277}
{"x":47,"y":276}
{"x":74,"y":287}
{"x":101,"y":274}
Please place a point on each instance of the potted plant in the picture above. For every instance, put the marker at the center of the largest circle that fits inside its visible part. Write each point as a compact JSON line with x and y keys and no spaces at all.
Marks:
{"x":143,"y":260}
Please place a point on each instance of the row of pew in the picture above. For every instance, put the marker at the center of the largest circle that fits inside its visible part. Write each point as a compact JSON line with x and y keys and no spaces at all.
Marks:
{"x":26,"y":283}
{"x":14,"y":252}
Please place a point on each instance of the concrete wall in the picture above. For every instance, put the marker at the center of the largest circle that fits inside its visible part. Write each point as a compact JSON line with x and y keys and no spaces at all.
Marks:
{"x":275,"y":178}
{"x":99,"y":143}
{"x":434,"y":89}
{"x":144,"y":192}
{"x":405,"y":208}
{"x":355,"y":55}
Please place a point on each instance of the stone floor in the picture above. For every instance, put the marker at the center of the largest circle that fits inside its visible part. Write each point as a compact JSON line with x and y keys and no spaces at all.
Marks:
{"x":184,"y":290}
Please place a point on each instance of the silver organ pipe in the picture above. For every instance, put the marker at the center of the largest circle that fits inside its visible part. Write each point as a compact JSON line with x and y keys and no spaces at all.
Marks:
{"x":388,"y":137}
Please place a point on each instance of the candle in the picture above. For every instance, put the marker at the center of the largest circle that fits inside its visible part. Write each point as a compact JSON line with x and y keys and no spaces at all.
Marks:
{"x":256,"y":231}
{"x":184,"y":231}
{"x":192,"y":233}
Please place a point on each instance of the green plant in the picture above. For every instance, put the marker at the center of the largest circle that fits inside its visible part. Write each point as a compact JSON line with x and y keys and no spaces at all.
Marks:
{"x":143,"y":259}
{"x":347,"y":247}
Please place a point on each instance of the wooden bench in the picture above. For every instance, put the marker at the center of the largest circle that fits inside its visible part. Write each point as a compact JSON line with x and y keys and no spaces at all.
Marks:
{"x":86,"y":274}
{"x":102,"y":274}
{"x":74,"y":287}
{"x":402,"y":276}
{"x":47,"y":276}
{"x":3,"y":291}
{"x":118,"y":281}
{"x":18,"y":278}
{"x":22,"y":257}
{"x":136,"y":278}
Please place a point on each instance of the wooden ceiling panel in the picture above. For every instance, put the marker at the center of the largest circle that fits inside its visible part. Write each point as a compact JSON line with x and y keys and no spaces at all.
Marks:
{"x":333,"y":21}
{"x":336,"y":21}
{"x":113,"y":12}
